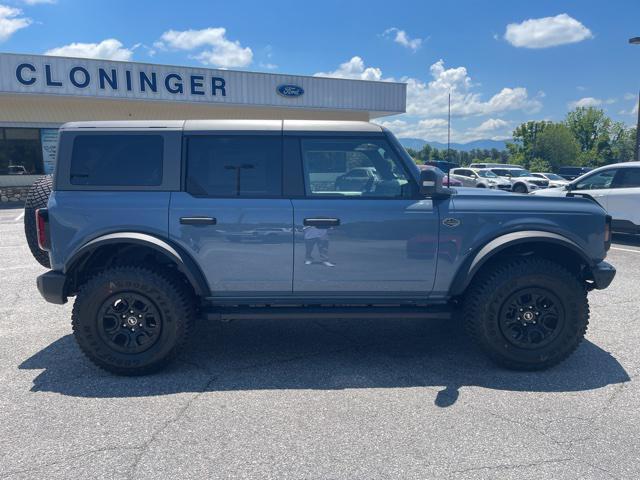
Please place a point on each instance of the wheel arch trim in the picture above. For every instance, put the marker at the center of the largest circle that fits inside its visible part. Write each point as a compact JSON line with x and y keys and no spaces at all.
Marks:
{"x":489,"y":250}
{"x":184,"y":263}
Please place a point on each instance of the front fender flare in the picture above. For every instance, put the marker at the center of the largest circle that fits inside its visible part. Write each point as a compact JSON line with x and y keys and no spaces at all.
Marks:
{"x":184,"y":263}
{"x":472,"y":265}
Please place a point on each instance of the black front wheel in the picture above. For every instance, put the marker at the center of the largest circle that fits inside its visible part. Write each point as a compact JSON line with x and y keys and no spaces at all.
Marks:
{"x":132,"y":320}
{"x":526,"y":313}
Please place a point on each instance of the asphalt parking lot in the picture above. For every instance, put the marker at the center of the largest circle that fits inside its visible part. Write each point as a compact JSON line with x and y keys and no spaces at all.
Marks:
{"x":315,"y":400}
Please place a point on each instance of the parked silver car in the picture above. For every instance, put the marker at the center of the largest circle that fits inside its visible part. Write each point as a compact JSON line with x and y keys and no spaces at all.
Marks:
{"x":521,"y":180}
{"x":555,"y":180}
{"x":479,"y":177}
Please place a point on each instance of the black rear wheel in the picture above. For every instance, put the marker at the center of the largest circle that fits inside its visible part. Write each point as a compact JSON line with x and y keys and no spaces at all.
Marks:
{"x":37,"y":198}
{"x":526,"y":313}
{"x":520,"y":188}
{"x":132,"y":320}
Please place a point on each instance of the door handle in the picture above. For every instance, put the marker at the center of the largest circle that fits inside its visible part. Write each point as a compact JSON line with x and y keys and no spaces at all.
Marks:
{"x":197,"y":221}
{"x":321,"y":222}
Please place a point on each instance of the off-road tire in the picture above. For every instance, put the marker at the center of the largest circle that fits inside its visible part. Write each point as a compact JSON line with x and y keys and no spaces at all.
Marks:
{"x":489,"y":294}
{"x":37,"y":197}
{"x":170,"y":296}
{"x":520,"y":188}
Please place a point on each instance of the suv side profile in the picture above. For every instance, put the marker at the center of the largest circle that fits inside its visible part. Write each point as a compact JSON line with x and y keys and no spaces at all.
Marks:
{"x":148,"y":226}
{"x":479,"y":177}
{"x":616,"y":187}
{"x":521,"y":180}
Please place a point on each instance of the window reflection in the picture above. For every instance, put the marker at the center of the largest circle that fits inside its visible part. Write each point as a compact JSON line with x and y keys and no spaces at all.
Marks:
{"x":20,"y":151}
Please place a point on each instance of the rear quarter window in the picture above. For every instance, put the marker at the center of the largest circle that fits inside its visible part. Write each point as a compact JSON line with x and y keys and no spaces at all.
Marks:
{"x":117,"y":160}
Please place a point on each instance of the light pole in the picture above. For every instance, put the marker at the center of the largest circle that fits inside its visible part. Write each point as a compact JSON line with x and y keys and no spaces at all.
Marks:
{"x":449,"y":131}
{"x":636,"y":41}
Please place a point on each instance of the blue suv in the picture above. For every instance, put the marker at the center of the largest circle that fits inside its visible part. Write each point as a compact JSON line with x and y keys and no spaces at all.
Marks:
{"x":154,"y":224}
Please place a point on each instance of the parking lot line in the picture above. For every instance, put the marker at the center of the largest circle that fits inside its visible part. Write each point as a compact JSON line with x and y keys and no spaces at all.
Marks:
{"x":19,"y":217}
{"x":625,"y":249}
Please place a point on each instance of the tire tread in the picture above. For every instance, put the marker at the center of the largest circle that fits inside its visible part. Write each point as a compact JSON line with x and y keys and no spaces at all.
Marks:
{"x":488,"y":281}
{"x":185,"y":302}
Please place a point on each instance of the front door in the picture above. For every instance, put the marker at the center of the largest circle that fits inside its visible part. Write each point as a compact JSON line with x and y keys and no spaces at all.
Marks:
{"x":376,"y":237}
{"x":596,"y":186}
{"x":232,"y":218}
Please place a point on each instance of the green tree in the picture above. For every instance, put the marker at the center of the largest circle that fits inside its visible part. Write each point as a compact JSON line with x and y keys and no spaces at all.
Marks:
{"x":525,"y":138}
{"x":556,"y":146}
{"x":623,"y":142}
{"x":590,"y":127}
{"x":539,"y":165}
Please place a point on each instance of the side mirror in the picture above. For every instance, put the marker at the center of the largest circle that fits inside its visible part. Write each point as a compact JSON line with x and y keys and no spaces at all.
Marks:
{"x":431,"y":184}
{"x":568,"y":187}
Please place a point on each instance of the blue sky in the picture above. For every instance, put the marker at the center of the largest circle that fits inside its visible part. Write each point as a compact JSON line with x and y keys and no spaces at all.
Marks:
{"x":503,"y":61}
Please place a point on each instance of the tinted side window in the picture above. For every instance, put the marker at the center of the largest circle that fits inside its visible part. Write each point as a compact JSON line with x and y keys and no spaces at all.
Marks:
{"x":627,"y":178}
{"x":353,"y":168}
{"x":597,"y":180}
{"x":234,"y":166}
{"x":117,"y":160}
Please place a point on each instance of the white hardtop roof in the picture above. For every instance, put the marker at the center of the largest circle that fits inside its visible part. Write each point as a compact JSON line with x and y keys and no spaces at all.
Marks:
{"x":230,"y":125}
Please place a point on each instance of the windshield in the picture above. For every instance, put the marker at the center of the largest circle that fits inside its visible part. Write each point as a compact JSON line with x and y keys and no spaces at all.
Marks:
{"x":520,"y":172}
{"x":553,"y":176}
{"x":486,"y":174}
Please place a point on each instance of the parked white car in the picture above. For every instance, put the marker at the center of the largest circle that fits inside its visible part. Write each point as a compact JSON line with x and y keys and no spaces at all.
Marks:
{"x":479,"y":177}
{"x":521,"y":180}
{"x":555,"y":180}
{"x":615,"y":187}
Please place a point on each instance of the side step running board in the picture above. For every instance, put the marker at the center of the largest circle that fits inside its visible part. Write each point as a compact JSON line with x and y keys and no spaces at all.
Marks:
{"x":319,"y":313}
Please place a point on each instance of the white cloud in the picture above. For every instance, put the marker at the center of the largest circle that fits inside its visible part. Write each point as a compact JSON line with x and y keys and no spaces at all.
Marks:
{"x":38,"y":2}
{"x":633,"y":110}
{"x":219,"y":50}
{"x":435,"y":129}
{"x":151,"y":52}
{"x":11,"y":20}
{"x":431,"y":128}
{"x":492,"y":125}
{"x":590,"y":102}
{"x":401,"y":37}
{"x":547,"y":32}
{"x":630,"y":96}
{"x":109,"y":49}
{"x":427,"y":102}
{"x":431,"y":98}
{"x":353,"y":69}
{"x":492,"y":128}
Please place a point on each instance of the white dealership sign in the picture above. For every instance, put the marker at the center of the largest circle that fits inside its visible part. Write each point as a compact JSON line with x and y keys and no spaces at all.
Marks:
{"x":59,"y":76}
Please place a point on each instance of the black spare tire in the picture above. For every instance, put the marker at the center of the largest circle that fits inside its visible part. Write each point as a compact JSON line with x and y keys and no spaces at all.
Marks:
{"x":37,"y":198}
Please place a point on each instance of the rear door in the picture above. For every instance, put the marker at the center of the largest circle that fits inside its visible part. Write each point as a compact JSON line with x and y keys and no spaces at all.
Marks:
{"x":464,"y":176}
{"x":231,"y":215}
{"x":377,"y":241}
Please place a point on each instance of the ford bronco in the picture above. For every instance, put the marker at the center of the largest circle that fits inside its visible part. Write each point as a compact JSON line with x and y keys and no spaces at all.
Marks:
{"x":153,"y":224}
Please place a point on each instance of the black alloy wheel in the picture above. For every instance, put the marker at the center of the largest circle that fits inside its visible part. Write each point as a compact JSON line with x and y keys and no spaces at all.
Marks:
{"x":531,"y":318}
{"x":129,"y":322}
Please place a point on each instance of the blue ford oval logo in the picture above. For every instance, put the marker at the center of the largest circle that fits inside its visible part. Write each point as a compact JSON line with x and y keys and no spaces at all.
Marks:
{"x":290,"y":90}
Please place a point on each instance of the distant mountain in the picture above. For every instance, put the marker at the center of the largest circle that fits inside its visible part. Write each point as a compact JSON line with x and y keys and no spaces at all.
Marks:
{"x":418,"y":143}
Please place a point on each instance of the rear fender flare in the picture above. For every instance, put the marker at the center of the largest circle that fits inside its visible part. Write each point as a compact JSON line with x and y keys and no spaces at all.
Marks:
{"x":184,"y":263}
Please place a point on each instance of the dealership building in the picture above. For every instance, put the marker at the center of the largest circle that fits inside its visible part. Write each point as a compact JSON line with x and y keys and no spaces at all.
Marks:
{"x":39,"y":93}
